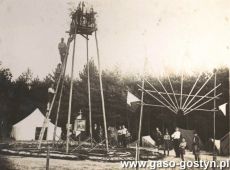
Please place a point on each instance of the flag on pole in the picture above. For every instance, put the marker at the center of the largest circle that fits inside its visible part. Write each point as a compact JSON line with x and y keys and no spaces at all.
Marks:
{"x":131,"y":98}
{"x":223,"y":108}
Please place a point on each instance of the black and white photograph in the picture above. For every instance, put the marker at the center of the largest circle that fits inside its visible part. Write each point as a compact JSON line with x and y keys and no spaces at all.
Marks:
{"x":114,"y":84}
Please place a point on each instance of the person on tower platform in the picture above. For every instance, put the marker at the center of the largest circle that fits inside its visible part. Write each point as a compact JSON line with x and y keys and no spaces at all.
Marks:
{"x":62,"y":47}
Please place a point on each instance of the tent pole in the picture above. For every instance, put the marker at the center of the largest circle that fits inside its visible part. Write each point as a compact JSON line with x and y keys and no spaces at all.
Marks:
{"x":70,"y":98}
{"x":89,"y":93}
{"x":102,"y":94}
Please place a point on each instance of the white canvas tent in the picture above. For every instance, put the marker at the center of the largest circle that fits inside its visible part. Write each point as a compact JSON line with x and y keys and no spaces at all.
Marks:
{"x":30,"y":127}
{"x":224,"y":144}
{"x":217,"y":144}
{"x":147,"y":141}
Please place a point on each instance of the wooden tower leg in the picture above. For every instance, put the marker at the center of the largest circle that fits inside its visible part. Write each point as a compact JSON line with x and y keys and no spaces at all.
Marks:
{"x":102,"y":95}
{"x":70,"y":99}
{"x":89,"y":94}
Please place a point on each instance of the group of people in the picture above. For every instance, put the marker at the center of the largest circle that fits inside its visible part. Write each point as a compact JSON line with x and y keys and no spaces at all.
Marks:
{"x":178,"y":141}
{"x":123,"y":136}
{"x":82,"y":17}
{"x":98,"y":133}
{"x":119,"y":138}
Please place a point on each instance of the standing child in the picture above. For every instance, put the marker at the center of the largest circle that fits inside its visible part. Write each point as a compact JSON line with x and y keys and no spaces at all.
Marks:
{"x":196,"y":147}
{"x":166,"y":142}
{"x":119,"y":136}
{"x":182,"y":147}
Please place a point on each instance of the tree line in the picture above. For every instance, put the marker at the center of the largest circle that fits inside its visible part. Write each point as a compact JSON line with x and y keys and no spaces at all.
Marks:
{"x":19,"y":97}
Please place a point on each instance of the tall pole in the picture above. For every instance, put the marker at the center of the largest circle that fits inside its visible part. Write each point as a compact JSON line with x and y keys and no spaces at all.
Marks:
{"x":214,"y":119}
{"x":102,"y":94}
{"x":141,"y":112}
{"x":140,"y":121}
{"x":70,"y":98}
{"x":89,"y":94}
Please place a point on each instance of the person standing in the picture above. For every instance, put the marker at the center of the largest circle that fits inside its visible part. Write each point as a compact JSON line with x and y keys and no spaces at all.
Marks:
{"x":176,"y":141}
{"x":158,"y":138}
{"x":166,"y":142}
{"x":119,"y":134}
{"x":196,"y":147}
{"x":182,"y":147}
{"x":96,"y":133}
{"x":62,"y":47}
{"x":124,"y":132}
{"x":101,"y":134}
{"x":51,"y":93}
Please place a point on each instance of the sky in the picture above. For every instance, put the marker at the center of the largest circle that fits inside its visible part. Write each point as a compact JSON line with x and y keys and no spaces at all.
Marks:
{"x":174,"y":35}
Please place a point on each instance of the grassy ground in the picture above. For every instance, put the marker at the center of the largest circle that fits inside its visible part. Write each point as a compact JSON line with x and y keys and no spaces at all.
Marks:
{"x":27,"y":163}
{"x":8,"y":162}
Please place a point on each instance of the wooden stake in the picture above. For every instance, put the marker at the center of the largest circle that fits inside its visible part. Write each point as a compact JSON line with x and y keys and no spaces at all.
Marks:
{"x":48,"y":158}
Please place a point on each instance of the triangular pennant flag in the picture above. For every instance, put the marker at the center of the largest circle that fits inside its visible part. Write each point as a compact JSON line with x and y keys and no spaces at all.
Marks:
{"x":131,"y":98}
{"x":223,"y":108}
